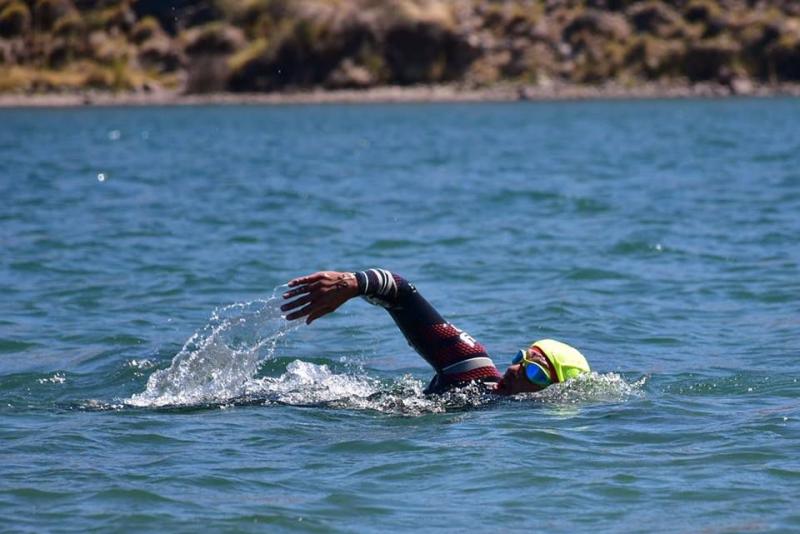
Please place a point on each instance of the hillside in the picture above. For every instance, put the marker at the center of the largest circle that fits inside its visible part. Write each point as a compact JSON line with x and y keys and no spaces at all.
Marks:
{"x":207,"y":46}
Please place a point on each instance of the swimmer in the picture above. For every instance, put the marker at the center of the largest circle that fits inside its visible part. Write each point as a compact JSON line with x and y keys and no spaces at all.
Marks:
{"x":457,"y":358}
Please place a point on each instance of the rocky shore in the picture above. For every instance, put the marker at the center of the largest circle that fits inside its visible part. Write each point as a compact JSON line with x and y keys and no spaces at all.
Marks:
{"x":72,"y":52}
{"x":397,"y":94}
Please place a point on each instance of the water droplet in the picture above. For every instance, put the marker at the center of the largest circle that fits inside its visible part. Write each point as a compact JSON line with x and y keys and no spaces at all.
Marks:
{"x":658,"y":247}
{"x":114,"y":135}
{"x":101,"y":177}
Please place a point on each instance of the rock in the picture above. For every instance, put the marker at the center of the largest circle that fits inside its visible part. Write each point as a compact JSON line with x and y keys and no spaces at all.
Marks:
{"x":108,"y":49}
{"x":742,"y":86}
{"x":208,"y":48}
{"x":206,"y":73}
{"x":348,"y":75}
{"x":656,"y":58}
{"x":784,"y":58}
{"x":159,"y":53}
{"x":422,"y":52}
{"x":215,"y":38}
{"x":250,"y":68}
{"x":655,"y":18}
{"x":701,"y":11}
{"x":705,"y":59}
{"x":594,"y":22}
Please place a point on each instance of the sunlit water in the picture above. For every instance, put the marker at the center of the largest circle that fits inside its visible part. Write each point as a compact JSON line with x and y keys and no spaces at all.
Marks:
{"x":149,"y":382}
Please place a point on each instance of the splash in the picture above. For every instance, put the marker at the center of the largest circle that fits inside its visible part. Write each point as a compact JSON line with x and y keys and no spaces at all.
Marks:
{"x":217,"y":366}
{"x":308,"y":384}
{"x":590,"y":388}
{"x":217,"y":362}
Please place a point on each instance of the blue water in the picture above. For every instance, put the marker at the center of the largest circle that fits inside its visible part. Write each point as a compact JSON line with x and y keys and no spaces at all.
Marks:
{"x":148,"y":381}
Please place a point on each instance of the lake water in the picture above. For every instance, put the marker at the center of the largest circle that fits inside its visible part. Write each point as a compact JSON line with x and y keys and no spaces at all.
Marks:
{"x":148,"y":382}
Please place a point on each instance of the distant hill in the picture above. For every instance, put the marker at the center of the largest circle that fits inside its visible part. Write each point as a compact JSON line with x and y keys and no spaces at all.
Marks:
{"x":277,"y":45}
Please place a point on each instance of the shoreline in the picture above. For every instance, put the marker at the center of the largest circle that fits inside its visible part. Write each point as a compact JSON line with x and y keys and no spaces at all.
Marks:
{"x":409,"y":94}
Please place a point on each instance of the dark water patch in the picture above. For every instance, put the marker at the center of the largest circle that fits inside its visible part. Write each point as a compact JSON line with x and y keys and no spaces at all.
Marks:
{"x":591,"y":273}
{"x":12,"y":345}
{"x":391,"y":244}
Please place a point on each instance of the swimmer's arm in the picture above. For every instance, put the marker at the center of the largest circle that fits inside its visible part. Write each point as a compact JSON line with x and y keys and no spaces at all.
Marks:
{"x":440,"y":343}
{"x":319,"y":294}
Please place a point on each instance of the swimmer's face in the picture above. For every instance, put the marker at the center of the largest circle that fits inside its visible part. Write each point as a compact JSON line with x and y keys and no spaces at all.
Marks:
{"x":514,"y":380}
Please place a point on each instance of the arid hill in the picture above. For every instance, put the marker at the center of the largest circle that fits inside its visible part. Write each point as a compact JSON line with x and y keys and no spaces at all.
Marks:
{"x":279,"y":45}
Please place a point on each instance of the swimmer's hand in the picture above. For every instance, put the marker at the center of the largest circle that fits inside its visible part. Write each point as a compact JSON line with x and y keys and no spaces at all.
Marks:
{"x":321,"y":293}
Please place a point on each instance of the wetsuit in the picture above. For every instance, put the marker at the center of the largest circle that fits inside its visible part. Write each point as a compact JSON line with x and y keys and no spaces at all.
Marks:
{"x":457,"y":358}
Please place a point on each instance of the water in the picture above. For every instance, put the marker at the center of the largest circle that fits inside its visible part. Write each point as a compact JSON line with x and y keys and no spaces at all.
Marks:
{"x":147,"y":380}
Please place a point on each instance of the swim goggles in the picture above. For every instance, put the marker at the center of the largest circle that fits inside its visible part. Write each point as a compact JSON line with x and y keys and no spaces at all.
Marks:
{"x":535,"y":372}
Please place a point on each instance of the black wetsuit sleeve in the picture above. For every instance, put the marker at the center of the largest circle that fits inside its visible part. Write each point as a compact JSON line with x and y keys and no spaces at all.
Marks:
{"x":454,"y":354}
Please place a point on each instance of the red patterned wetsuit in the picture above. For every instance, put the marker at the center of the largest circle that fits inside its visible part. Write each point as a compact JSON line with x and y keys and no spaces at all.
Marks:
{"x":457,"y":358}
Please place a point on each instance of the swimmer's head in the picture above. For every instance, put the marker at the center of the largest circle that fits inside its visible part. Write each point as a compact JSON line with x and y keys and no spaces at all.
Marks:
{"x":543,"y":363}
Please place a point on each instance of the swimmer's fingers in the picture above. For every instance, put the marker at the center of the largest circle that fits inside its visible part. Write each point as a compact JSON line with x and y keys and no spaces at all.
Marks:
{"x":304,"y":280}
{"x":297,"y":303}
{"x":298,"y":314}
{"x":297,"y":291}
{"x":313,"y":316}
{"x":301,"y":290}
{"x":314,"y":311}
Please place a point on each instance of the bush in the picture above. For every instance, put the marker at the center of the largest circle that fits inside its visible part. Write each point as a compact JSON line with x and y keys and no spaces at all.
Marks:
{"x":119,"y":17}
{"x":15,"y":20}
{"x":47,"y":12}
{"x":160,"y":54}
{"x":115,"y":78}
{"x":145,"y":29}
{"x":70,"y":25}
{"x":706,"y":59}
{"x":784,"y":58}
{"x":213,"y":38}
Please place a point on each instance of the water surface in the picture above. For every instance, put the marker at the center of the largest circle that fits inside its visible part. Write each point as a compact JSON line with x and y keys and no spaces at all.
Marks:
{"x":147,"y":380}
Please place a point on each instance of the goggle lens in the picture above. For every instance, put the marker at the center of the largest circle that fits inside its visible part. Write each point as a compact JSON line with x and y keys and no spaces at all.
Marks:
{"x":534,"y":372}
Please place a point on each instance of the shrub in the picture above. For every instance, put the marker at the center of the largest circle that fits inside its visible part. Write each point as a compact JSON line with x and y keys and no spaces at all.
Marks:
{"x":47,"y":12}
{"x":160,"y":54}
{"x":15,"y":20}
{"x":70,"y":25}
{"x":145,"y":29}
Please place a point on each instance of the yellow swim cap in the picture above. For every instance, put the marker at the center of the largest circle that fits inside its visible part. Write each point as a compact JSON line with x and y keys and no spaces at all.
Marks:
{"x":567,"y":361}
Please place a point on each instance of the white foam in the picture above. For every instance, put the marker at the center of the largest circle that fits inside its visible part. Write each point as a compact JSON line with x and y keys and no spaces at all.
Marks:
{"x":217,"y":362}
